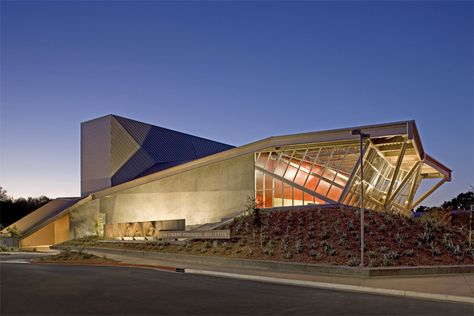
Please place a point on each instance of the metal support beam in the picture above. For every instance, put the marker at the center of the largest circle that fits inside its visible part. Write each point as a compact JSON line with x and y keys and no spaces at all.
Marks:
{"x":395,"y":173}
{"x":425,"y":195}
{"x":348,"y":185}
{"x":299,"y":187}
{"x":414,"y":186}
{"x":404,"y":181}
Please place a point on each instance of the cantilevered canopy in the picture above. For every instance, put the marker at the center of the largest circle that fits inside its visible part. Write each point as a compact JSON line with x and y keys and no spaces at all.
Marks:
{"x":329,"y":171}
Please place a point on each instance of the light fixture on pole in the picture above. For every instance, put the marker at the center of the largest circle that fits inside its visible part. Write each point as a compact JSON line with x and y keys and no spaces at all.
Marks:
{"x":362,"y":136}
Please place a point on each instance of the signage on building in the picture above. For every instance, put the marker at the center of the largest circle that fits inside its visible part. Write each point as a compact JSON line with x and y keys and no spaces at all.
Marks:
{"x":196,"y":234}
{"x":141,"y":230}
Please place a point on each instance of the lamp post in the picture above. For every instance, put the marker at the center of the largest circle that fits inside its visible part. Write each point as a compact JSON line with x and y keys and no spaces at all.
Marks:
{"x":362,"y":136}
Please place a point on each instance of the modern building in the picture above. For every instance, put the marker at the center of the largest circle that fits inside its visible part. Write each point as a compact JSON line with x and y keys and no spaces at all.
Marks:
{"x":132,"y":172}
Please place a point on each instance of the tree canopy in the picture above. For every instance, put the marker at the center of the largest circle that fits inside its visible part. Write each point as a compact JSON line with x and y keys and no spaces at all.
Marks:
{"x":12,"y":209}
{"x":461,"y":202}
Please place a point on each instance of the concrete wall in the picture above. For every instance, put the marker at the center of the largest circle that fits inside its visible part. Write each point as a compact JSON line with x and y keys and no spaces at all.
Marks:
{"x":53,"y":233}
{"x":83,"y":220}
{"x":202,"y":195}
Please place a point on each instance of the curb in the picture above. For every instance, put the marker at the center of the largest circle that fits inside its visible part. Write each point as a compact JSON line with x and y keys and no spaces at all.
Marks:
{"x":110,"y":264}
{"x":282,"y":266}
{"x":335,"y":286}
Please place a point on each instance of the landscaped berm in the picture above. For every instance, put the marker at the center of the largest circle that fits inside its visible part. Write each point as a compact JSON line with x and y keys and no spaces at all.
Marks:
{"x":329,"y":235}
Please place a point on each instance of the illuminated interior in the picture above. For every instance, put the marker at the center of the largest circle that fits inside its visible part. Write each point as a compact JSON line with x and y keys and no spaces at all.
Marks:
{"x":330,"y":173}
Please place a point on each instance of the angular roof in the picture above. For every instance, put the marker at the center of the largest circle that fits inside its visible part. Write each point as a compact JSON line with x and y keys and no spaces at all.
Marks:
{"x":47,"y":212}
{"x":389,"y":131}
{"x":407,"y":129}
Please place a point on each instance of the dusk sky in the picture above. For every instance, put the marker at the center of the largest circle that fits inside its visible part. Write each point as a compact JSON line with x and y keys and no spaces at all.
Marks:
{"x":231,"y":71}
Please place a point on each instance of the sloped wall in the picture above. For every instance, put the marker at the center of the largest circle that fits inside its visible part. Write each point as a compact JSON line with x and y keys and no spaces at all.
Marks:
{"x":202,"y":195}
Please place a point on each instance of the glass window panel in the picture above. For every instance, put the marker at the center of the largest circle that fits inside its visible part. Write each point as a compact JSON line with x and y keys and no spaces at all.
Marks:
{"x":287,"y":195}
{"x":334,"y":193}
{"x":281,"y":167}
{"x":291,"y":171}
{"x":301,"y":177}
{"x":318,"y":201}
{"x":312,"y":182}
{"x":271,"y":163}
{"x":258,"y":180}
{"x":323,"y":188}
{"x":317,"y":170}
{"x":259,"y":198}
{"x":268,"y":198}
{"x":341,"y":179}
{"x":268,"y":182}
{"x":329,"y":174}
{"x":277,"y":189}
{"x":262,"y":159}
{"x":308,"y":199}
{"x":298,"y":197}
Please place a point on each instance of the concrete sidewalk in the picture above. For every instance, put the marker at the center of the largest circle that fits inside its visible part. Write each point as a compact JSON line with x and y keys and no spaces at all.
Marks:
{"x":452,"y":287}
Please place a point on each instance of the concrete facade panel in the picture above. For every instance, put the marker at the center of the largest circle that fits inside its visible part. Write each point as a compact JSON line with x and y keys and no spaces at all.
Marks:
{"x":202,"y":195}
{"x":44,"y":236}
{"x":61,"y":229}
{"x":83,"y":220}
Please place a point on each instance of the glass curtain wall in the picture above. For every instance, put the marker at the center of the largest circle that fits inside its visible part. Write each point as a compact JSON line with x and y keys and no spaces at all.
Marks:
{"x":319,"y":174}
{"x":303,"y":175}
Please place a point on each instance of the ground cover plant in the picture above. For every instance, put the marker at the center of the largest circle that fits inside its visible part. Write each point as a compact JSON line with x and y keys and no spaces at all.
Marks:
{"x":328,"y":235}
{"x":66,"y":255}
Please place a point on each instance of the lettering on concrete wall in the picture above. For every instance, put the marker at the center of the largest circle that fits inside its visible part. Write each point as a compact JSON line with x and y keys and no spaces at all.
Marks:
{"x":196,"y":234}
{"x":142,"y":230}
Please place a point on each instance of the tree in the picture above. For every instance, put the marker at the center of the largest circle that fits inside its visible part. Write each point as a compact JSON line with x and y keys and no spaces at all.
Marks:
{"x":3,"y":195}
{"x":12,"y":210}
{"x":461,"y":202}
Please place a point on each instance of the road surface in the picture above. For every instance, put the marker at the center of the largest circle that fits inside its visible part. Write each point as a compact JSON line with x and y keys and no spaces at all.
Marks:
{"x":93,"y":290}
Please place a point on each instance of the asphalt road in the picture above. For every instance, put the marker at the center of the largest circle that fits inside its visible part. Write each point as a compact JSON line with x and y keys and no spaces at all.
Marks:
{"x":89,"y":290}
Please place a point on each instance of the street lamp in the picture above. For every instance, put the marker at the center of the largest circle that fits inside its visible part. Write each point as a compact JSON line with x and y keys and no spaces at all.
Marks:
{"x":362,"y":136}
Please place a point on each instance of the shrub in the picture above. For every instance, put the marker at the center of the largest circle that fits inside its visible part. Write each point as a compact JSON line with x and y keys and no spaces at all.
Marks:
{"x":315,"y":255}
{"x":388,"y":259}
{"x":299,"y":246}
{"x":351,"y":262}
{"x":437,"y":216}
{"x":409,"y":252}
{"x":14,"y":232}
{"x":336,"y":229}
{"x":456,"y":250}
{"x":343,"y":242}
{"x":372,"y":262}
{"x":324,"y":234}
{"x":249,"y":252}
{"x":435,"y":250}
{"x":425,"y":236}
{"x":326,"y":246}
{"x":269,"y":249}
{"x":350,"y":225}
{"x":398,"y":238}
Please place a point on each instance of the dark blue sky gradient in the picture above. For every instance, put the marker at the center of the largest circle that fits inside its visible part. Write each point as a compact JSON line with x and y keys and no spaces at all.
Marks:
{"x":232,"y":71}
